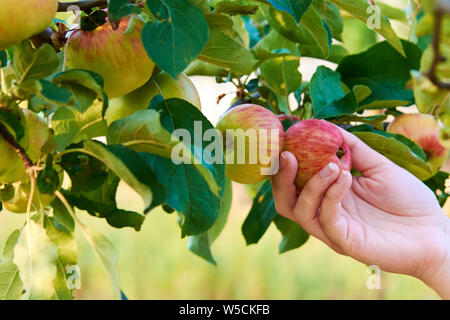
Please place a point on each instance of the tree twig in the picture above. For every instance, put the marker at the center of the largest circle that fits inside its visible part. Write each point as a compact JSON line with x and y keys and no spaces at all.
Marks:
{"x":437,"y":57}
{"x":82,"y":5}
{"x":16,"y":147}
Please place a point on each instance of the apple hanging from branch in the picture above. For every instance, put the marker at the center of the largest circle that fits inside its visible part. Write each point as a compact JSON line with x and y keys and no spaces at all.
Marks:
{"x":140,"y":99}
{"x":253,"y":139}
{"x":22,"y":19}
{"x":425,"y":131}
{"x":117,"y":55}
{"x":315,"y":143}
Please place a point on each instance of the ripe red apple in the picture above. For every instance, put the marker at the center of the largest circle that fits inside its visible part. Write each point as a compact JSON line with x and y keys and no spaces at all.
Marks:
{"x":140,"y":99}
{"x":251,"y":154}
{"x":425,"y":131}
{"x":22,"y":19}
{"x":315,"y":143}
{"x":119,"y":57}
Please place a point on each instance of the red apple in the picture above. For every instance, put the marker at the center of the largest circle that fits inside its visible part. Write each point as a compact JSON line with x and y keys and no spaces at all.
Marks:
{"x":251,"y":153}
{"x":316,"y":143}
{"x":21,"y":19}
{"x":425,"y":131}
{"x":119,"y":57}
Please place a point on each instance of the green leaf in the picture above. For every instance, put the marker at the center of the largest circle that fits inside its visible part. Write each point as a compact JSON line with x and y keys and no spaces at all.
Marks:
{"x":8,"y":250}
{"x":128,"y":166}
{"x":62,"y":292}
{"x":376,"y":121}
{"x":34,"y":64}
{"x":294,"y":236}
{"x":280,"y":73}
{"x":3,"y":59}
{"x":261,"y":215}
{"x":62,"y":216}
{"x":318,"y":30}
{"x":99,"y":199}
{"x":232,"y":8}
{"x":180,"y":39}
{"x":108,"y":256}
{"x":11,"y":287}
{"x":35,"y":256}
{"x":11,"y":121}
{"x":143,"y":132}
{"x":85,"y":87}
{"x":398,"y":149}
{"x":52,"y":93}
{"x":361,"y":9}
{"x":438,"y":186}
{"x":384,"y":71}
{"x":71,"y":126}
{"x":356,"y":36}
{"x":64,"y":241}
{"x":223,"y":51}
{"x":328,"y":96}
{"x":332,"y":16}
{"x":201,"y":244}
{"x":296,"y":8}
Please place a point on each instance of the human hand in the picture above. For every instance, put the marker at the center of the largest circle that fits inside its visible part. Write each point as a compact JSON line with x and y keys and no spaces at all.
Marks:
{"x":385,"y":217}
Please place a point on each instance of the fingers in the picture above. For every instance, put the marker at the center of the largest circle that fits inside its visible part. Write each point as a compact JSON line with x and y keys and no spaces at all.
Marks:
{"x":283,"y":188}
{"x":363,"y":157}
{"x":333,"y":224}
{"x":305,"y":212}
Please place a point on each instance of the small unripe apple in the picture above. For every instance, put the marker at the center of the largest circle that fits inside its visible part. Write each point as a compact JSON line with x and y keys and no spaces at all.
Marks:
{"x":119,"y":57}
{"x":252,"y":153}
{"x":21,"y":19}
{"x":425,"y":131}
{"x":315,"y":143}
{"x":140,"y":99}
{"x":19,"y":203}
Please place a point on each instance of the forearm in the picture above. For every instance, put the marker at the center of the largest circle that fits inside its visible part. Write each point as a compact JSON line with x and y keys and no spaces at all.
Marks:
{"x":439,"y":279}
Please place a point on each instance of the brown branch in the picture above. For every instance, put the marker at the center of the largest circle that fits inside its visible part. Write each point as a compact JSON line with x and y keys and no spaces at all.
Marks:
{"x":15,"y":146}
{"x":85,"y":6}
{"x":437,"y":57}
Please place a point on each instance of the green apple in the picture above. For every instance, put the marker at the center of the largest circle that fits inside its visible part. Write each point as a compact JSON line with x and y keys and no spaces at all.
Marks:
{"x":117,"y":55}
{"x":140,"y":99}
{"x":21,"y":19}
{"x":425,"y":131}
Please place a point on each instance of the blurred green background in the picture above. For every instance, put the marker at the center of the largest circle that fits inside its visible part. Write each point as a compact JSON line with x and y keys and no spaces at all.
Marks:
{"x":156,"y":264}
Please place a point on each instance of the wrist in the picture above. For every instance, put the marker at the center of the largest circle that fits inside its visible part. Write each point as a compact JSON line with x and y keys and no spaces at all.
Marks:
{"x":438,"y":276}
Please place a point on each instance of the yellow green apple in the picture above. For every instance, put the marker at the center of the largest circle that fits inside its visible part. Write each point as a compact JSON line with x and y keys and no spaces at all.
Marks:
{"x":425,"y":131}
{"x":140,"y":99}
{"x":253,"y":139}
{"x":21,"y":19}
{"x":117,"y":55}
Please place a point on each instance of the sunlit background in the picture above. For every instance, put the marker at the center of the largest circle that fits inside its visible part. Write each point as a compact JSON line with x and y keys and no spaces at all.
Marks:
{"x":156,"y":264}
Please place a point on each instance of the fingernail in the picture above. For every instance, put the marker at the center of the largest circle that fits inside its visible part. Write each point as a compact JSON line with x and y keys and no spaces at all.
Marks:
{"x":344,"y":175}
{"x":283,"y":161}
{"x":328,"y":170}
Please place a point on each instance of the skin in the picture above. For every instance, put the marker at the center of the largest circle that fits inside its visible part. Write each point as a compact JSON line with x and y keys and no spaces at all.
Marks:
{"x":315,"y":143}
{"x":22,"y":19}
{"x":385,"y":217}
{"x":164,"y":84}
{"x":424,"y":130}
{"x":112,"y":54}
{"x":249,"y":117}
